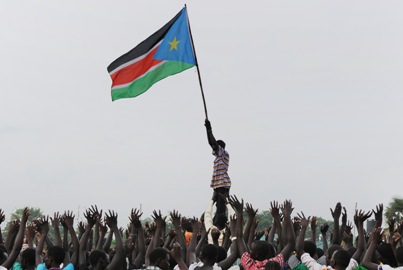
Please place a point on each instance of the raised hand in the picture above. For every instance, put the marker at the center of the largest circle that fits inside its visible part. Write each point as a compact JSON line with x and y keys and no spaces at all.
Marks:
{"x":324,"y":228}
{"x":68,"y":219}
{"x":344,"y":215}
{"x":391,"y":224}
{"x":25,"y":215}
{"x":175,"y":218}
{"x":336,"y":212}
{"x":314,"y":223}
{"x":303,"y":220}
{"x":349,"y":227}
{"x":250,"y":211}
{"x":236,"y":204}
{"x":81,"y":227}
{"x":196,"y":224}
{"x":135,"y":217}
{"x":31,"y":230}
{"x":43,"y":225}
{"x":111,"y":219}
{"x":378,"y":214}
{"x":97,"y":214}
{"x":286,"y":208}
{"x":275,"y":209}
{"x":157,"y":216}
{"x":89,"y":215}
{"x":55,"y":220}
{"x":215,"y":234}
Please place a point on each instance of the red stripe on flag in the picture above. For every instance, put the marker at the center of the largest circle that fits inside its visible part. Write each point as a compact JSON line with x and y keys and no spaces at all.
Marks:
{"x":130,"y":73}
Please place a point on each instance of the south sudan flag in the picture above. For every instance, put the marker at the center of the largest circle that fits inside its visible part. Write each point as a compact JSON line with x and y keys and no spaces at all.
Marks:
{"x":166,"y":52}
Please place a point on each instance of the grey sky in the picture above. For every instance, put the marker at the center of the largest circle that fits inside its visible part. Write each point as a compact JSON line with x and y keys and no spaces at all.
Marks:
{"x":307,"y":95}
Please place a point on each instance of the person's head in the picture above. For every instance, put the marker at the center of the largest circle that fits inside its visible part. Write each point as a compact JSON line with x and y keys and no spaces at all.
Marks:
{"x":3,"y":254}
{"x":209,"y":254}
{"x":340,"y":259}
{"x":352,"y":250}
{"x":28,"y":258}
{"x":160,"y":257}
{"x":220,"y":221}
{"x":399,"y":255}
{"x":272,"y":265}
{"x":221,"y":254}
{"x":386,"y":255}
{"x":221,"y":143}
{"x":319,"y":252}
{"x":262,"y":250}
{"x":310,"y":247}
{"x":330,"y":251}
{"x":54,"y":257}
{"x":99,"y":259}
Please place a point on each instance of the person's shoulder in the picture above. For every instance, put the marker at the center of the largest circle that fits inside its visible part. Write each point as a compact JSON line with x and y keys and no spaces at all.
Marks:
{"x":2,"y":268}
{"x":70,"y":266}
{"x":41,"y":266}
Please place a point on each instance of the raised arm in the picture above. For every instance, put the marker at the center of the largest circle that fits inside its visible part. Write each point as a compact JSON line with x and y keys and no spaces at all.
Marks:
{"x":378,"y":213}
{"x":55,"y":224}
{"x":18,"y":240}
{"x":65,"y":244}
{"x":84,"y":238}
{"x":376,"y":236}
{"x":111,"y":219}
{"x":211,"y":140}
{"x":238,"y":207}
{"x":343,"y":224}
{"x":336,"y":219}
{"x":275,"y":213}
{"x":176,"y":221}
{"x":232,"y":257}
{"x":251,"y":216}
{"x":290,"y":246}
{"x":191,"y":256}
{"x":68,"y":218}
{"x":359,"y":219}
{"x":301,"y":237}
{"x":135,"y":220}
{"x":323,"y":230}
{"x":43,"y":228}
{"x":314,"y":225}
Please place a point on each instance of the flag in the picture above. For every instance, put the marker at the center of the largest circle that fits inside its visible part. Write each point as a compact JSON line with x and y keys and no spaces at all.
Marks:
{"x":166,"y":52}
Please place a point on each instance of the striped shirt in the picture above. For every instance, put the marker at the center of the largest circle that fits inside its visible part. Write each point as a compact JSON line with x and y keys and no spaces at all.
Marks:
{"x":220,"y":175}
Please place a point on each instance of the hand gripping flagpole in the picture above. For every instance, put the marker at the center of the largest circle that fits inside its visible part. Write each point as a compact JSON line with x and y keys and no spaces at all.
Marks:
{"x":197,"y":65}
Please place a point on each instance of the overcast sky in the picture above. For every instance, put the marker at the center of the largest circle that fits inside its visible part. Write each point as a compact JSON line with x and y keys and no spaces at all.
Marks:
{"x":307,"y":95}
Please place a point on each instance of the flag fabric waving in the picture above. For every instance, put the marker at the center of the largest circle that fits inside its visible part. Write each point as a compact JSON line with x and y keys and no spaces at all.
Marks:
{"x":166,"y":52}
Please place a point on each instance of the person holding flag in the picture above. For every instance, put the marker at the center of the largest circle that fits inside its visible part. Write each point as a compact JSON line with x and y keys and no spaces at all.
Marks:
{"x":220,"y":181}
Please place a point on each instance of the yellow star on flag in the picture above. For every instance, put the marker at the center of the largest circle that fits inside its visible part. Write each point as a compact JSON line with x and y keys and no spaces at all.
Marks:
{"x":174,"y":44}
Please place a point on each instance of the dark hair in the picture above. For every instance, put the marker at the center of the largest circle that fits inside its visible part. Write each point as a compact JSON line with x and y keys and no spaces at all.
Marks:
{"x":352,"y":250}
{"x":330,"y":252}
{"x":310,"y":247}
{"x":28,"y":257}
{"x":319,"y":252}
{"x":221,"y":254}
{"x":96,"y":255}
{"x":158,"y":254}
{"x":399,"y":255}
{"x":221,"y":143}
{"x":57,"y":254}
{"x":387,"y":254}
{"x":272,"y":265}
{"x":209,"y":252}
{"x":261,"y":250}
{"x":341,"y":258}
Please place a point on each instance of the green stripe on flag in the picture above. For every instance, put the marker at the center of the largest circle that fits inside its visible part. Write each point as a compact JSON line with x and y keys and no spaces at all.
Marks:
{"x":140,"y":85}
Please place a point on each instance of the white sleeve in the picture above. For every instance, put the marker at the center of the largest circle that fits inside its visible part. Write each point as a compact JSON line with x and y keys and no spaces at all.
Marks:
{"x":311,"y":263}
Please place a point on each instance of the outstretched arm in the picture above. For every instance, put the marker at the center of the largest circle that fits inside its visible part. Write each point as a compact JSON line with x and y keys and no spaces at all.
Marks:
{"x":290,"y":246}
{"x":336,"y":227}
{"x":69,"y":220}
{"x":84,"y":238}
{"x":43,"y":228}
{"x":359,"y":219}
{"x":135,"y":220}
{"x":211,"y":140}
{"x":375,"y":238}
{"x":18,"y":241}
{"x":111,"y":219}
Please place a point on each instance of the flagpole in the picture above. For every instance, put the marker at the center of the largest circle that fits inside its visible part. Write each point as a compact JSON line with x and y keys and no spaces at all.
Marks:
{"x":197,"y":66}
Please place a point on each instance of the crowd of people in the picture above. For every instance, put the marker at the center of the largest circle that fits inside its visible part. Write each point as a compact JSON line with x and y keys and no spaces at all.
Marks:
{"x":203,"y":242}
{"x":218,"y":239}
